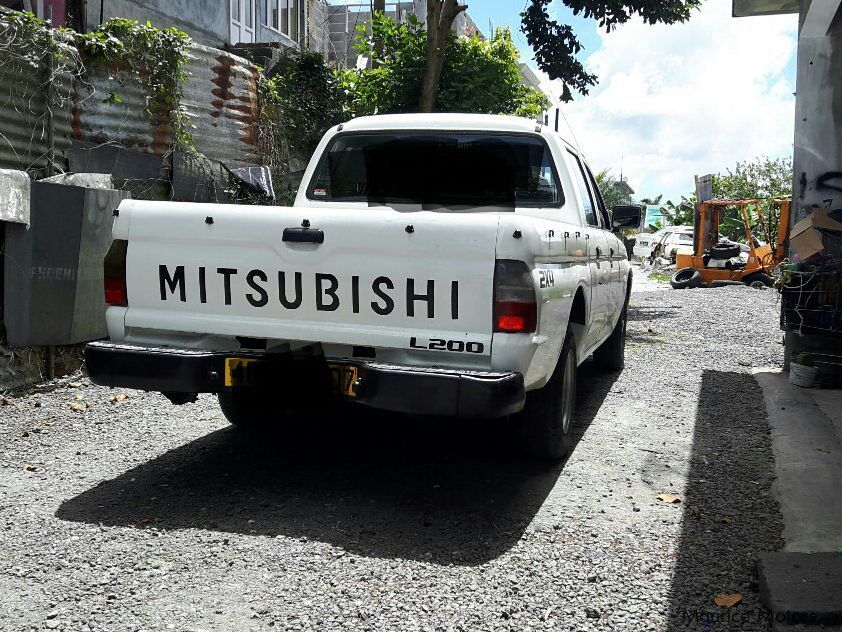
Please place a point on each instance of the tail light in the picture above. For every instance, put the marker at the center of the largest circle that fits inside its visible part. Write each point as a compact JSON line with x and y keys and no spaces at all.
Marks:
{"x":515,"y":310}
{"x":115,"y":274}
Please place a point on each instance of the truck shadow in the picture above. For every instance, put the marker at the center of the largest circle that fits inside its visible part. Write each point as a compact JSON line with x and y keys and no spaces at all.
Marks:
{"x":730,"y":514}
{"x":373,"y":484}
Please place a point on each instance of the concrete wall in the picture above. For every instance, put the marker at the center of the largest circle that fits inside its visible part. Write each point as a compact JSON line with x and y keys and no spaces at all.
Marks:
{"x":818,"y":108}
{"x":206,"y":21}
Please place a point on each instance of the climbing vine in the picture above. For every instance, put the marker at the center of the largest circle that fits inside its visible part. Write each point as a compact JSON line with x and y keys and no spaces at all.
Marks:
{"x":28,"y":44}
{"x":155,"y":57}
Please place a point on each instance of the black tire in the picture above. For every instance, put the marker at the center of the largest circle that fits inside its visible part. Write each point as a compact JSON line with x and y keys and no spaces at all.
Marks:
{"x":546,"y":421}
{"x":611,"y":354}
{"x":724,"y":252}
{"x":759,"y":280}
{"x":685,"y":278}
{"x":249,"y":409}
{"x":724,"y":283}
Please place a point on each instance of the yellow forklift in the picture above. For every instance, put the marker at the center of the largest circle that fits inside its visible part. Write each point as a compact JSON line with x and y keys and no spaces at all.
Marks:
{"x":713,"y":263}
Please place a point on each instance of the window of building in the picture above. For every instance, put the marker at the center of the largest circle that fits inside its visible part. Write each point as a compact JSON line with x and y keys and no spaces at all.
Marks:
{"x":282,"y":16}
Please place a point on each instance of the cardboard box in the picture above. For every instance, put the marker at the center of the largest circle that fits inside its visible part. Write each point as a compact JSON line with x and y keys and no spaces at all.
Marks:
{"x":820,"y":233}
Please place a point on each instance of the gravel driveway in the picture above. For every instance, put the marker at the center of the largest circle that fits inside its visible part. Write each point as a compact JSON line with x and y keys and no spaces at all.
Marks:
{"x":132,"y":514}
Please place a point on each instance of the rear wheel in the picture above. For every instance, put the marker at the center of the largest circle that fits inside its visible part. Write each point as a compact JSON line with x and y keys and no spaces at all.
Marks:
{"x":759,"y":280}
{"x":611,"y":355}
{"x":546,"y":421}
{"x":249,"y":409}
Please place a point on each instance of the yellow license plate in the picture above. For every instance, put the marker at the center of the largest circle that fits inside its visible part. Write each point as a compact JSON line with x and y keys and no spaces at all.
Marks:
{"x":344,"y":379}
{"x":239,"y":371}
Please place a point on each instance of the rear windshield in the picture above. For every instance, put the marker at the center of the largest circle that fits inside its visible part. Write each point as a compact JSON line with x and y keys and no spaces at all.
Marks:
{"x":437,"y":169}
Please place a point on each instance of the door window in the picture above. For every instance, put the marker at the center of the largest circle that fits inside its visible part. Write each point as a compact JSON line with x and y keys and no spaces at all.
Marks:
{"x":591,"y":216}
{"x":600,"y":203}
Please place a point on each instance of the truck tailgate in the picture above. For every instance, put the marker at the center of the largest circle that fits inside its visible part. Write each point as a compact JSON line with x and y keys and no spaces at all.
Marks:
{"x":378,"y":277}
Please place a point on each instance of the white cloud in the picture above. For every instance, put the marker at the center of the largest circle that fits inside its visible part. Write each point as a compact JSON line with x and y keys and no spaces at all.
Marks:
{"x":687,"y":99}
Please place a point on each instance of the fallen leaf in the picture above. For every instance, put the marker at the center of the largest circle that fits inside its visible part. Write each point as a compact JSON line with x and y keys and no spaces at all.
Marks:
{"x":727,"y":601}
{"x":79,"y":407}
{"x":144,"y":520}
{"x":697,"y":513}
{"x":727,"y":520}
{"x":671,"y":499}
{"x":74,"y":384}
{"x":29,"y":467}
{"x":120,"y":397}
{"x":5,"y":402}
{"x":80,"y":396}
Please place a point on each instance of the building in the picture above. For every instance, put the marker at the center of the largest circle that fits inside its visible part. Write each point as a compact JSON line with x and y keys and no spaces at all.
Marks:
{"x":817,"y":156}
{"x":219,"y":24}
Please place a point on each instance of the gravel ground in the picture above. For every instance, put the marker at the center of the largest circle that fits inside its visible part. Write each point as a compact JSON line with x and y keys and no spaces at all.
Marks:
{"x":137,"y":515}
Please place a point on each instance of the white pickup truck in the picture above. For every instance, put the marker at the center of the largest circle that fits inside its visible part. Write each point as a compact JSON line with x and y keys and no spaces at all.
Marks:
{"x":437,"y":264}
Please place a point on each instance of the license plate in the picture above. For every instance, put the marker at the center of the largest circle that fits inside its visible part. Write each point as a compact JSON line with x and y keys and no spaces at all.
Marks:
{"x":240,"y":371}
{"x":344,"y":379}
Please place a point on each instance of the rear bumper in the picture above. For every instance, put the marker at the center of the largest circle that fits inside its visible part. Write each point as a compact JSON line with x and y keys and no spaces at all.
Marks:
{"x":450,"y":392}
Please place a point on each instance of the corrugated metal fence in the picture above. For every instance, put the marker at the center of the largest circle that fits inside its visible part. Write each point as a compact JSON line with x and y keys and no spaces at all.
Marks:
{"x":31,"y":131}
{"x":220,"y":99}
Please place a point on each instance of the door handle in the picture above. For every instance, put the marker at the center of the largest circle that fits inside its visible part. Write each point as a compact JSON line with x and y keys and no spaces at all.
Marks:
{"x":611,"y":250}
{"x":598,"y":252}
{"x":304,"y":235}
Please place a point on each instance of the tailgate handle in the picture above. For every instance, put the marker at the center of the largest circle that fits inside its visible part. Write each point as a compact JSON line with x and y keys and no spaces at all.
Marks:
{"x":304,"y":235}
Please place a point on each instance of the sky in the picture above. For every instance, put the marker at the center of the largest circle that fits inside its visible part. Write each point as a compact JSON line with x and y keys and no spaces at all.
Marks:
{"x":674,"y":101}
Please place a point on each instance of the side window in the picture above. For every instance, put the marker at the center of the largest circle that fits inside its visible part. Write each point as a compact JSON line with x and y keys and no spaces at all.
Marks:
{"x":591,"y":217}
{"x":600,"y":203}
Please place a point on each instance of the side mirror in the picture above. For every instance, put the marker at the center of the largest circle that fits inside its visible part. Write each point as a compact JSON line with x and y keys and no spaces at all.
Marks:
{"x":625,"y":216}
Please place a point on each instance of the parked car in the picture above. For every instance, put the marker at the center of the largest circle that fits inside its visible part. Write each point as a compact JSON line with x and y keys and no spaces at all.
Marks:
{"x":421,"y":269}
{"x":644,"y":242}
{"x":673,"y":239}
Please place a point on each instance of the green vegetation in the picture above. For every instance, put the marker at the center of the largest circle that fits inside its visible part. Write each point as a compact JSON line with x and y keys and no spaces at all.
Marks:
{"x":761,"y":178}
{"x":612,"y":195}
{"x":477,"y":76}
{"x":804,"y":359}
{"x":660,"y":276}
{"x":307,"y":97}
{"x":155,"y":57}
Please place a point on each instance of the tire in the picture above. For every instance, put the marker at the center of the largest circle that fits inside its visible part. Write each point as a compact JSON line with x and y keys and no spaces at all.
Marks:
{"x":724,"y":252}
{"x":249,"y":409}
{"x":546,"y":421}
{"x":686,"y":278}
{"x":759,"y":280}
{"x":611,"y":354}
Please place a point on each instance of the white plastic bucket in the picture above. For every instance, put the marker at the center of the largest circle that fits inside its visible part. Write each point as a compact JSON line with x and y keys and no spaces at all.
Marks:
{"x":803,"y":376}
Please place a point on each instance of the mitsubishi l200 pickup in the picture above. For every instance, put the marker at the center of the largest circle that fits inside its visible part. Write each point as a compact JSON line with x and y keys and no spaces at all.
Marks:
{"x":442,"y":264}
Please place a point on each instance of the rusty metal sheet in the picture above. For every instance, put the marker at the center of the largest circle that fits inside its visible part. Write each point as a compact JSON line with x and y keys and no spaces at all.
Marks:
{"x":99,"y":119}
{"x":220,"y":96}
{"x":220,"y":99}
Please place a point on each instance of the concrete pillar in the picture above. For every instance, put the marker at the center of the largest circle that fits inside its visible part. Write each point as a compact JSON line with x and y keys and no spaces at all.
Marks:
{"x":818,"y":113}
